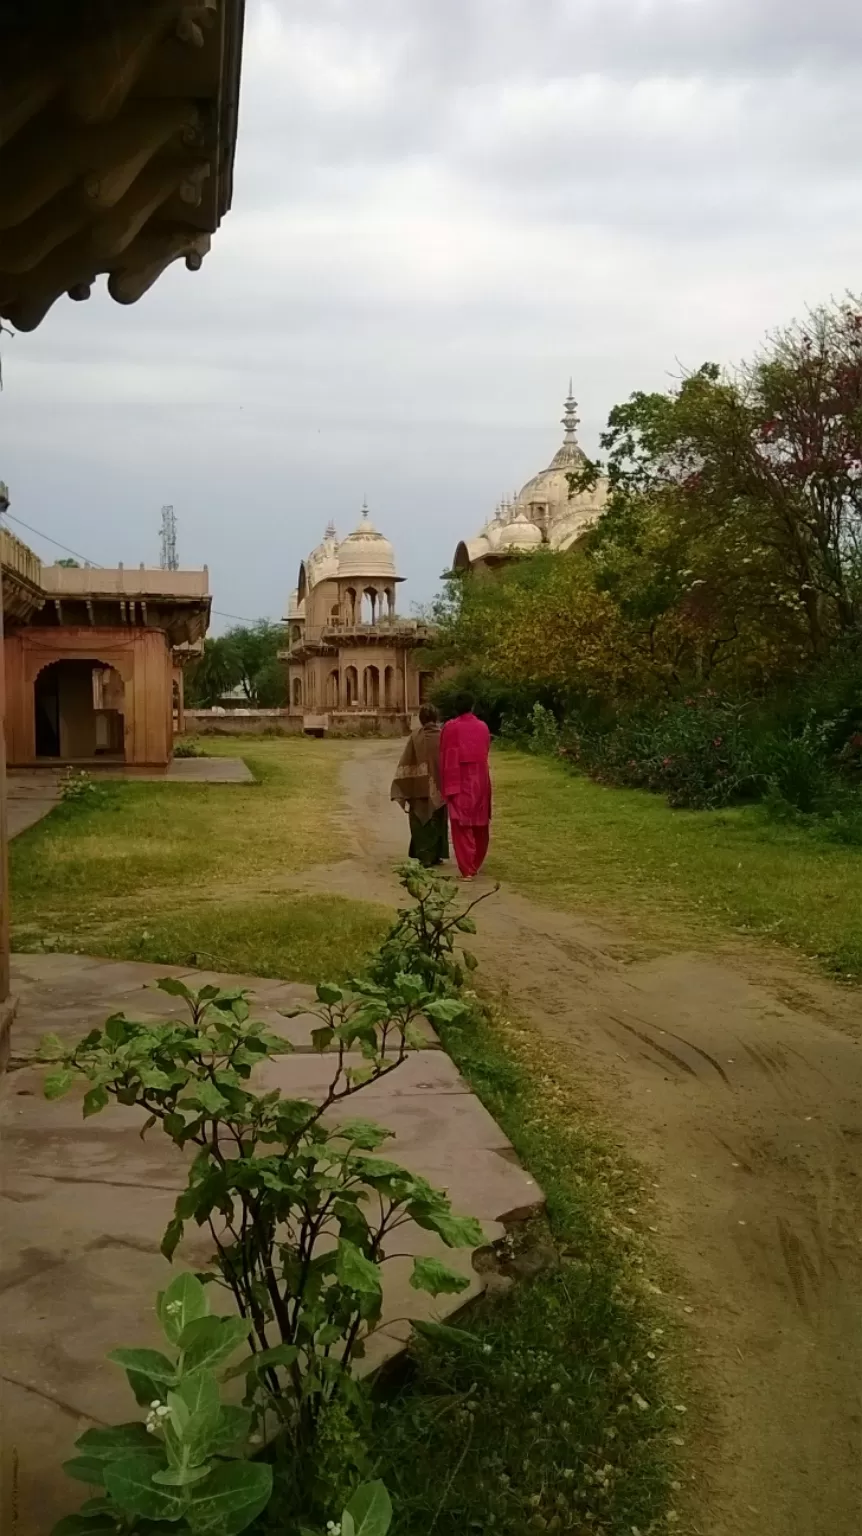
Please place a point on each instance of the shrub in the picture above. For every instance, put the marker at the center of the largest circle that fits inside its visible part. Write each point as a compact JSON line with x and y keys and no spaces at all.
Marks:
{"x":301,"y":1210}
{"x":188,"y":746}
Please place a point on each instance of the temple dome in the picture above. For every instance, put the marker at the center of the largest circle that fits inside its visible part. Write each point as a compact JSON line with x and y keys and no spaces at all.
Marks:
{"x":322,"y":563}
{"x":365,"y":552}
{"x":543,"y":512}
{"x":520,"y":535}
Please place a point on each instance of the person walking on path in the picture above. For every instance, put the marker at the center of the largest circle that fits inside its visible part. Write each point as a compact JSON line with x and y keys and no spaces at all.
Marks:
{"x":416,"y":786}
{"x":466,"y":782}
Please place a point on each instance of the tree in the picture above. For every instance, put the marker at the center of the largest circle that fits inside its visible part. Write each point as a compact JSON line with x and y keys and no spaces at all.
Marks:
{"x":246,"y":657}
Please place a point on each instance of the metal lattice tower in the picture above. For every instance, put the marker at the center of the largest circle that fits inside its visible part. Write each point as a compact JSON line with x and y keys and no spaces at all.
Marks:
{"x":169,"y":560}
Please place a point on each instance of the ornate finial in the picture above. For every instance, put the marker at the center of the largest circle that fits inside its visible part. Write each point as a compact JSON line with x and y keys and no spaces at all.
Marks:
{"x":330,"y":530}
{"x":570,"y":416}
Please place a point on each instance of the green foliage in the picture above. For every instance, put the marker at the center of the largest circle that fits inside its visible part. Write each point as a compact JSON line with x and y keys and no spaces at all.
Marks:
{"x":188,"y":746}
{"x":301,"y":1209}
{"x":425,"y":940}
{"x":246,"y":656}
{"x":188,"y":1464}
{"x":77,"y":786}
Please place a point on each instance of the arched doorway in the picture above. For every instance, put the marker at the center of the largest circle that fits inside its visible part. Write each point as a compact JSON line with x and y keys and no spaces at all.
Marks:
{"x":351,"y":686}
{"x":389,"y":688}
{"x":297,"y":692}
{"x":79,"y":711}
{"x":372,"y":688}
{"x":332,"y":689}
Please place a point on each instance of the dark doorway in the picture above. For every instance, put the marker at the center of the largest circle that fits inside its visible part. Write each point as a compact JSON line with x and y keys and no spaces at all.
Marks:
{"x":48,"y":713}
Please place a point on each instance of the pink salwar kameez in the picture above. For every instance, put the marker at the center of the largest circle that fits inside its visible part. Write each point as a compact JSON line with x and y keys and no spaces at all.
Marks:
{"x":465,"y":780}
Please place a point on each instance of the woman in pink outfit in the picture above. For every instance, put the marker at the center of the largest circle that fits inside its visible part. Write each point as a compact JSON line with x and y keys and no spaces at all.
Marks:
{"x":466,"y":784}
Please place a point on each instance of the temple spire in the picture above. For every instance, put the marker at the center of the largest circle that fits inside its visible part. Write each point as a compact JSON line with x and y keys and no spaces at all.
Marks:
{"x":570,"y":416}
{"x":330,"y":529}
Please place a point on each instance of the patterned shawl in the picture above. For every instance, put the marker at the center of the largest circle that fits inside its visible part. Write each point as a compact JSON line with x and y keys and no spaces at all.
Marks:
{"x":416,"y":784}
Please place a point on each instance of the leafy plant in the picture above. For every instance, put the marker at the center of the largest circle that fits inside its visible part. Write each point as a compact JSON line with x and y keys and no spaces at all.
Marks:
{"x":187,"y":746}
{"x":300,"y":1210}
{"x":424,"y":938}
{"x":76,"y":784}
{"x":186,"y":1469}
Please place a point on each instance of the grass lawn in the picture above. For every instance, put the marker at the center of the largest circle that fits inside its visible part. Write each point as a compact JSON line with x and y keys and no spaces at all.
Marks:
{"x":677,"y":876}
{"x":191,"y":873}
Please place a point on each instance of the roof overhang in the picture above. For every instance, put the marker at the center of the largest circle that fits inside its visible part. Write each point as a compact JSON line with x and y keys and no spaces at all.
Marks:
{"x":117,"y":140}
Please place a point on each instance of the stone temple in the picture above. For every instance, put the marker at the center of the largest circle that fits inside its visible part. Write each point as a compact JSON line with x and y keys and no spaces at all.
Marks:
{"x":543,"y":515}
{"x":353,"y":665}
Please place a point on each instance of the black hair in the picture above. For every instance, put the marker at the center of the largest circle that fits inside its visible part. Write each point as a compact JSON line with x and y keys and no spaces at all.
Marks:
{"x":428,"y":715}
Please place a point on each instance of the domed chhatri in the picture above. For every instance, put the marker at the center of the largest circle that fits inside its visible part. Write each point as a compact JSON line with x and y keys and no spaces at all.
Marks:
{"x":365,"y":552}
{"x":353,"y":664}
{"x":543,"y":514}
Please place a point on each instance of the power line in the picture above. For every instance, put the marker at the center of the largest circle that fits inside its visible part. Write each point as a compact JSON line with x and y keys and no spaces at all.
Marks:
{"x":38,"y":531}
{"x":240,"y":619}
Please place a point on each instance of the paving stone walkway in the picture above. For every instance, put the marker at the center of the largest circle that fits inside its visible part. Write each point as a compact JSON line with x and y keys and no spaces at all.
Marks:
{"x":84,"y":1204}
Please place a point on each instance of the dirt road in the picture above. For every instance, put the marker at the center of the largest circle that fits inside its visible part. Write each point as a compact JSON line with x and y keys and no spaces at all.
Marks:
{"x":737,"y":1079}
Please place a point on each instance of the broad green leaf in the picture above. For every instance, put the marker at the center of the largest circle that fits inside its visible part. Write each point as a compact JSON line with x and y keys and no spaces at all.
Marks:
{"x":364,"y":1134}
{"x":86,"y":1469}
{"x":51,"y":1048}
{"x":173,"y":1234}
{"x":184,"y":1300}
{"x":232,"y":1425}
{"x":117,"y":1028}
{"x":144,"y":1388}
{"x":130,"y":1482}
{"x":207,"y":1095}
{"x":182,"y":1477}
{"x":280,"y":1354}
{"x":59,"y":1082}
{"x":466,"y":925}
{"x":446,"y":1010}
{"x":436,"y":1278}
{"x":444,"y":1333}
{"x":115,"y":1440}
{"x":456,"y":1231}
{"x":205,"y":1346}
{"x":230,"y":1498}
{"x":147,"y":1362}
{"x":175,"y":988}
{"x":86,"y":1525}
{"x":356,"y":1271}
{"x":369,"y":1512}
{"x":96,"y":1099}
{"x":328,"y":993}
{"x":199,"y":1393}
{"x":322,"y":1038}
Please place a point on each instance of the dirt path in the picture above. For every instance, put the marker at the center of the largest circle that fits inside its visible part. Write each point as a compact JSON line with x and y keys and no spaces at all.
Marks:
{"x":738,"y":1080}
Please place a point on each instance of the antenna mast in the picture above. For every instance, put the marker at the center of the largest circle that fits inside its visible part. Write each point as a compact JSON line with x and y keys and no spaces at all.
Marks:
{"x":169,"y":560}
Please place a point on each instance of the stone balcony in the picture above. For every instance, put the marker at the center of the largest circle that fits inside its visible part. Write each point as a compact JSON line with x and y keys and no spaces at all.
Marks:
{"x":23,"y":588}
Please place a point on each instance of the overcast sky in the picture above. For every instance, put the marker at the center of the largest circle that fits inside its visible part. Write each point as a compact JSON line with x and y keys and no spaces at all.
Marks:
{"x":442,"y":209}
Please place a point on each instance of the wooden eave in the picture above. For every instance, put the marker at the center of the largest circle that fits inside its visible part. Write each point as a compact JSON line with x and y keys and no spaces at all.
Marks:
{"x":118,"y":127}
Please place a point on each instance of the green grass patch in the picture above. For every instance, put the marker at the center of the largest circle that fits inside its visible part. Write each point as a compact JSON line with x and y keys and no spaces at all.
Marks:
{"x":560,"y":1417}
{"x":189,"y":874}
{"x":678,"y":876}
{"x":297,"y":938}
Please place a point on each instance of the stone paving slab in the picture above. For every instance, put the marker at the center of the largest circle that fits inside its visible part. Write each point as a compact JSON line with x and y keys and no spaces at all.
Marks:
{"x":84,"y":1204}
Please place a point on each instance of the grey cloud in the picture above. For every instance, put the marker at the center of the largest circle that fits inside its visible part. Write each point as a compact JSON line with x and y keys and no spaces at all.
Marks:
{"x":442,"y":208}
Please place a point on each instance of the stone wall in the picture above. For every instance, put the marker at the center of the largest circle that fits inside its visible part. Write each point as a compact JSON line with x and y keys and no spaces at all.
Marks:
{"x":279,"y":722}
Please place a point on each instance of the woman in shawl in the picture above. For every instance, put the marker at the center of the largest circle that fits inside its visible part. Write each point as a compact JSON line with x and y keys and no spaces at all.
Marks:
{"x":416,"y":786}
{"x":466,"y":783}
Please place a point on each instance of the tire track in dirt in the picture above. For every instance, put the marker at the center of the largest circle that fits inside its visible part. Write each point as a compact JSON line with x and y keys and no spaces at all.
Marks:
{"x":737,"y":1079}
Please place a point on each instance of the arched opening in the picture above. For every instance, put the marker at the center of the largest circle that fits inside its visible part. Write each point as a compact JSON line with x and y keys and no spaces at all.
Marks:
{"x":295,"y":634}
{"x":350,"y":597}
{"x":351,"y":687}
{"x":425,"y":681}
{"x":297,"y":691}
{"x":390,"y":602}
{"x":79,"y":708}
{"x":372,"y":688}
{"x":335,"y":613}
{"x":369,"y":605}
{"x":332,"y":689}
{"x":389,"y":688}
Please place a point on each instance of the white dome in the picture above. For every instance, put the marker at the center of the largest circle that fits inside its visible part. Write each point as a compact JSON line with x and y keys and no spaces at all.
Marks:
{"x":322,"y":563}
{"x":365,"y":552}
{"x":520,"y":535}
